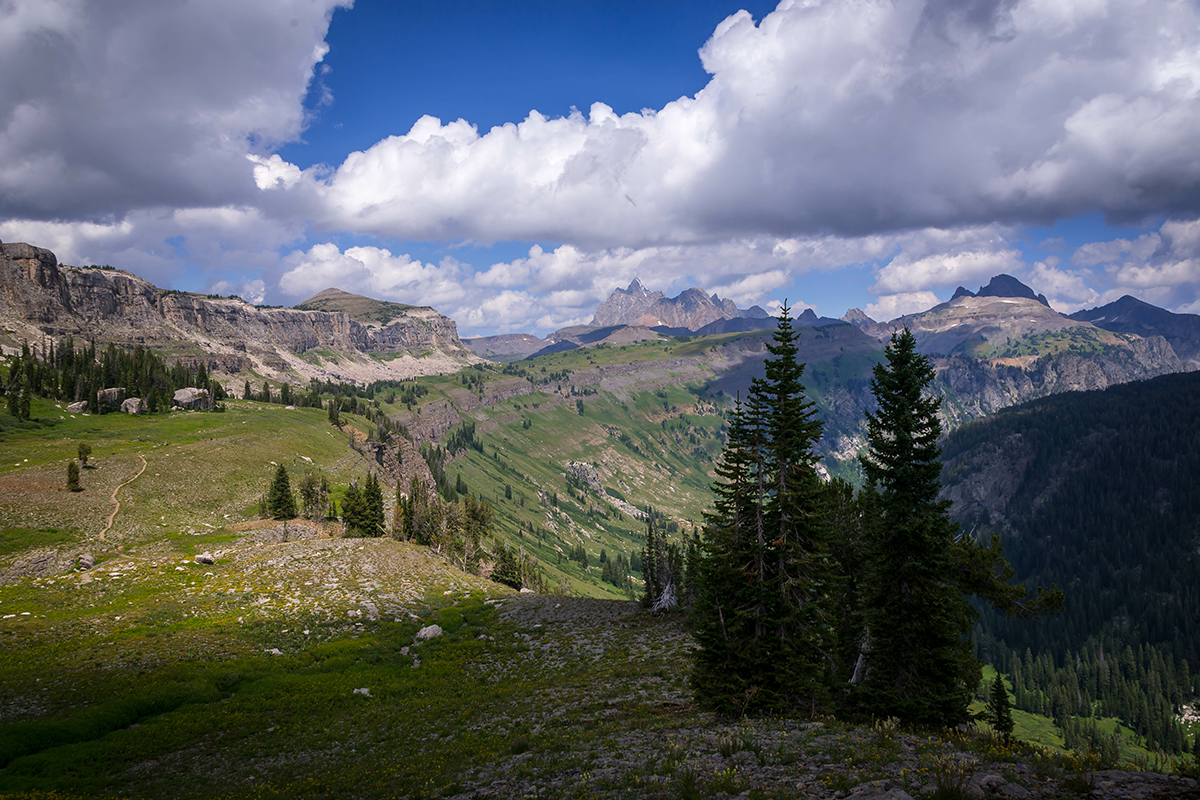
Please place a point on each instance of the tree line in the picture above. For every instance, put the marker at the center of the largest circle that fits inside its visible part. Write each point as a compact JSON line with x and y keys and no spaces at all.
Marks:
{"x":70,"y":372}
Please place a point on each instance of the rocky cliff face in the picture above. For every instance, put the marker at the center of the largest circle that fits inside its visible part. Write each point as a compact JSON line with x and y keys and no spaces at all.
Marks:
{"x":40,"y":297}
{"x":977,"y":387}
{"x":691,"y":309}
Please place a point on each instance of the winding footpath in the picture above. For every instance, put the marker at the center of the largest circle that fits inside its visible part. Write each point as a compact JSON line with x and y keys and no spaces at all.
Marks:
{"x":117,"y":503}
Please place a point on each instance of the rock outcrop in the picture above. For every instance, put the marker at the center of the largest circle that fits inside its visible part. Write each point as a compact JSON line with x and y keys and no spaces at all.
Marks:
{"x":133,"y":405}
{"x":190,"y":397}
{"x":977,"y":387}
{"x":691,"y":309}
{"x":39,"y":297}
{"x":110,"y":398}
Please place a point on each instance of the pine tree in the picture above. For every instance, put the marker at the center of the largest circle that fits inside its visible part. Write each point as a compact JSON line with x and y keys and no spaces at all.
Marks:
{"x":763,"y":585}
{"x":73,"y":477}
{"x":918,"y":665}
{"x":85,"y":452}
{"x":280,"y":502}
{"x":999,"y":712}
{"x":507,"y":568}
{"x":352,"y":510}
{"x":372,"y":507}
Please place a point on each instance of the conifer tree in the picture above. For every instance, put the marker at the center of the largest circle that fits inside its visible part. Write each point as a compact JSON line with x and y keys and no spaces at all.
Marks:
{"x":999,"y":712}
{"x":372,"y":507}
{"x":73,"y":477}
{"x":916,"y":655}
{"x":917,"y":662}
{"x":763,"y":594}
{"x":352,"y":510}
{"x":280,"y":502}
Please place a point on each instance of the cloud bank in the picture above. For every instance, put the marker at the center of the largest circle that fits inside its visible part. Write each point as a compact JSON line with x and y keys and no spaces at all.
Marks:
{"x":846,"y":116}
{"x":915,"y":139}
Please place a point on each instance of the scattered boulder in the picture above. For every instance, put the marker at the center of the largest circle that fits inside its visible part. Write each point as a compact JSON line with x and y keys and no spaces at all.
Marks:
{"x":204,"y":558}
{"x":109,"y":398}
{"x":429,"y":631}
{"x":984,"y":784}
{"x":364,"y":692}
{"x":274,"y":651}
{"x":77,"y":408}
{"x":133,"y":405}
{"x":87,"y":561}
{"x":878,"y":790}
{"x":190,"y":397}
{"x":526,"y":590}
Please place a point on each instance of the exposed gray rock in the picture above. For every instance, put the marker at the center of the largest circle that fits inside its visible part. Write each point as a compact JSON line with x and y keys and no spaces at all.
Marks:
{"x":429,"y":631}
{"x":110,"y":398}
{"x":87,"y":561}
{"x":878,"y":790}
{"x":190,"y":397}
{"x":116,"y":306}
{"x":586,"y":473}
{"x":984,"y":784}
{"x":204,"y":558}
{"x":133,"y":405}
{"x":77,"y":408}
{"x":692,"y":309}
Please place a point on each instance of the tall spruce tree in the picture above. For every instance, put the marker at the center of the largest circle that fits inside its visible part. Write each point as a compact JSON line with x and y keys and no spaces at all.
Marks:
{"x":281,"y":504}
{"x":762,"y":615}
{"x":372,"y":507}
{"x":999,"y":712}
{"x":917,"y":658}
{"x":916,"y":571}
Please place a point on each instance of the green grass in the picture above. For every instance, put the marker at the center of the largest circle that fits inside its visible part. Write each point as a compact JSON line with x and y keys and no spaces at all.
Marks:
{"x":15,"y":540}
{"x":202,"y":468}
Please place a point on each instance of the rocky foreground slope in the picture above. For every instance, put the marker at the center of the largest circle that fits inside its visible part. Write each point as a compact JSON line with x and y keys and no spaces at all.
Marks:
{"x":40,"y":297}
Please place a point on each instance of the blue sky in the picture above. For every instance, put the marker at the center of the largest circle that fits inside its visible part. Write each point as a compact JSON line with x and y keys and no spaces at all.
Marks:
{"x":511,"y":164}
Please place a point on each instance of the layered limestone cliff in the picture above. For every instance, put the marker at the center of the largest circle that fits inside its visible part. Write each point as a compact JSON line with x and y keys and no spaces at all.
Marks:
{"x":974,"y":387}
{"x":38,"y":296}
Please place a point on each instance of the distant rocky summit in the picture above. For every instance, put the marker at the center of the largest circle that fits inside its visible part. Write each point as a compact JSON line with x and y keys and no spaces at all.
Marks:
{"x":40,"y":297}
{"x":691,"y":309}
{"x":1130,"y":315}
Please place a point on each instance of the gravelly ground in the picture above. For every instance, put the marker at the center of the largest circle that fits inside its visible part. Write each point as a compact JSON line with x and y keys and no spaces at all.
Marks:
{"x":641,"y":736}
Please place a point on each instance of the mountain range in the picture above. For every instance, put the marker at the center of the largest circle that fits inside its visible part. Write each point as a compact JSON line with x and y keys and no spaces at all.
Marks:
{"x":992,"y":348}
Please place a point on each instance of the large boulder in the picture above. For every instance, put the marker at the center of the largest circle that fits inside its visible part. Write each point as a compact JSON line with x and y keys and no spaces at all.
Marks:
{"x":190,"y":397}
{"x":77,"y":408}
{"x":134,"y":405}
{"x":109,"y":398}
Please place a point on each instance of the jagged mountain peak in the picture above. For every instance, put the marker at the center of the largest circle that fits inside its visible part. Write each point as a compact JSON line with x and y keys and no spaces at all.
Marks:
{"x":693,"y":308}
{"x":857,"y":317}
{"x":1003,"y":285}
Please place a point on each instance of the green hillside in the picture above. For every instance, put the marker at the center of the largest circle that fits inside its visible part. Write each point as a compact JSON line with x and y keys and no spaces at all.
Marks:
{"x":1094,"y":492}
{"x":363,"y":309}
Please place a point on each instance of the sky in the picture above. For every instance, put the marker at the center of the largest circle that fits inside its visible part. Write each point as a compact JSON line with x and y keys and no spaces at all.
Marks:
{"x":512,"y":163}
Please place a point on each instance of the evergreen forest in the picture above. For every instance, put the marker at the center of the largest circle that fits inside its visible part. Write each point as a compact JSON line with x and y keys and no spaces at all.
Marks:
{"x":1103,"y":505}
